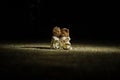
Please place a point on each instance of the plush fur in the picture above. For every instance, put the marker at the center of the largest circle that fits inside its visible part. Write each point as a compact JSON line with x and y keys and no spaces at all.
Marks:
{"x":61,"y":38}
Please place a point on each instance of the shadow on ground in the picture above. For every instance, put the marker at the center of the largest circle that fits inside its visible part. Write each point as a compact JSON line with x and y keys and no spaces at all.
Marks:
{"x":37,"y":47}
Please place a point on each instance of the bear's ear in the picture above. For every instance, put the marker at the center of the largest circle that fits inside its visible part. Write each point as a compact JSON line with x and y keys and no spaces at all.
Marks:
{"x":56,"y":28}
{"x":67,"y":30}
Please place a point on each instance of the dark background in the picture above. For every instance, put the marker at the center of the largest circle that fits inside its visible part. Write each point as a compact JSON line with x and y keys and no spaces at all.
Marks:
{"x":34,"y":20}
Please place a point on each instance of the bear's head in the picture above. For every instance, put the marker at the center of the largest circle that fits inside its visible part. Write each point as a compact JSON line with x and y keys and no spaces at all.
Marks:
{"x":64,"y":32}
{"x":56,"y":31}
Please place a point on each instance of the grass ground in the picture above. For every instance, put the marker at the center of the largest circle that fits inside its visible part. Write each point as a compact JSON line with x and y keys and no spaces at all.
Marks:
{"x":37,"y":60}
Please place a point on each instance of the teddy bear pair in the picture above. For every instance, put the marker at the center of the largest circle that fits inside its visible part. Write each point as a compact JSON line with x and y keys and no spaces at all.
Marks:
{"x":61,"y":38}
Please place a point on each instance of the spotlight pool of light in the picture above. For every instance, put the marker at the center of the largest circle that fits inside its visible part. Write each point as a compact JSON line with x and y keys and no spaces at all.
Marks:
{"x":45,"y":47}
